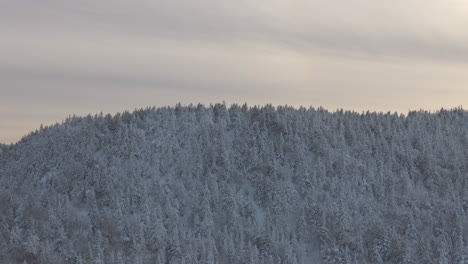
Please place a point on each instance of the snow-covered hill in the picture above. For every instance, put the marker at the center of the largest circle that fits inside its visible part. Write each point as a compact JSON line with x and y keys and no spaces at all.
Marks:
{"x":242,"y":184}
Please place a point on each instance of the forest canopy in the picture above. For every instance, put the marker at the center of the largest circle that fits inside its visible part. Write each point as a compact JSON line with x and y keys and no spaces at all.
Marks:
{"x":238,"y":184}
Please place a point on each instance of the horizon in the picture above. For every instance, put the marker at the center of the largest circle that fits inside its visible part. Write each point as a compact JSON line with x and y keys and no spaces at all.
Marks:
{"x":228,"y":106}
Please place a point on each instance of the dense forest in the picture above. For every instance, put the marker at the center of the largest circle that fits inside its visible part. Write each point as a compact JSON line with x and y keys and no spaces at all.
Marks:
{"x":238,"y":184}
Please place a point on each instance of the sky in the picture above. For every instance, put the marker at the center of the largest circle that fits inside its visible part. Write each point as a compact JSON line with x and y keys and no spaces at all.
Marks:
{"x":64,"y":57}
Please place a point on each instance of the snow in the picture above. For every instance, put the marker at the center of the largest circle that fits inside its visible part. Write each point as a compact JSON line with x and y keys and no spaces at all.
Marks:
{"x":238,"y":185}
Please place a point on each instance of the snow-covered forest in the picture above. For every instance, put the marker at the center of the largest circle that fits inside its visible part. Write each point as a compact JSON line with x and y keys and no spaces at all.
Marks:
{"x":238,"y":184}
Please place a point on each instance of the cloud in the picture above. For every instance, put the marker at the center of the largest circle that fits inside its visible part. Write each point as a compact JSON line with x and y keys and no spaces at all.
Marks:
{"x":423,"y":29}
{"x":84,"y":56}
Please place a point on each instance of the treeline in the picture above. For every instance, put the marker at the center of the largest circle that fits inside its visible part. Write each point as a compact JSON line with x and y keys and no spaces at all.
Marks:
{"x":238,"y":184}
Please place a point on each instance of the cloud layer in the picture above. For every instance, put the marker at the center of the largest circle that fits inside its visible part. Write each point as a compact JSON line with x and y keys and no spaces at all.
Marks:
{"x":63,"y":57}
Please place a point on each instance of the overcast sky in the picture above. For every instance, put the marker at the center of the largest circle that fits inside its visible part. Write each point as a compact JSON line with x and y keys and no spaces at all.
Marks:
{"x":63,"y":57}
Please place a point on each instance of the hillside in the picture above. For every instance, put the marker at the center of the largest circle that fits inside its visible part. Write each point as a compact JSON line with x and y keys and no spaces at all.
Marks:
{"x":238,"y":184}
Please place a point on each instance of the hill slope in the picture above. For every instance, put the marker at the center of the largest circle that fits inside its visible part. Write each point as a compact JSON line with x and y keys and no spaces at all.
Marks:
{"x":238,"y":185}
